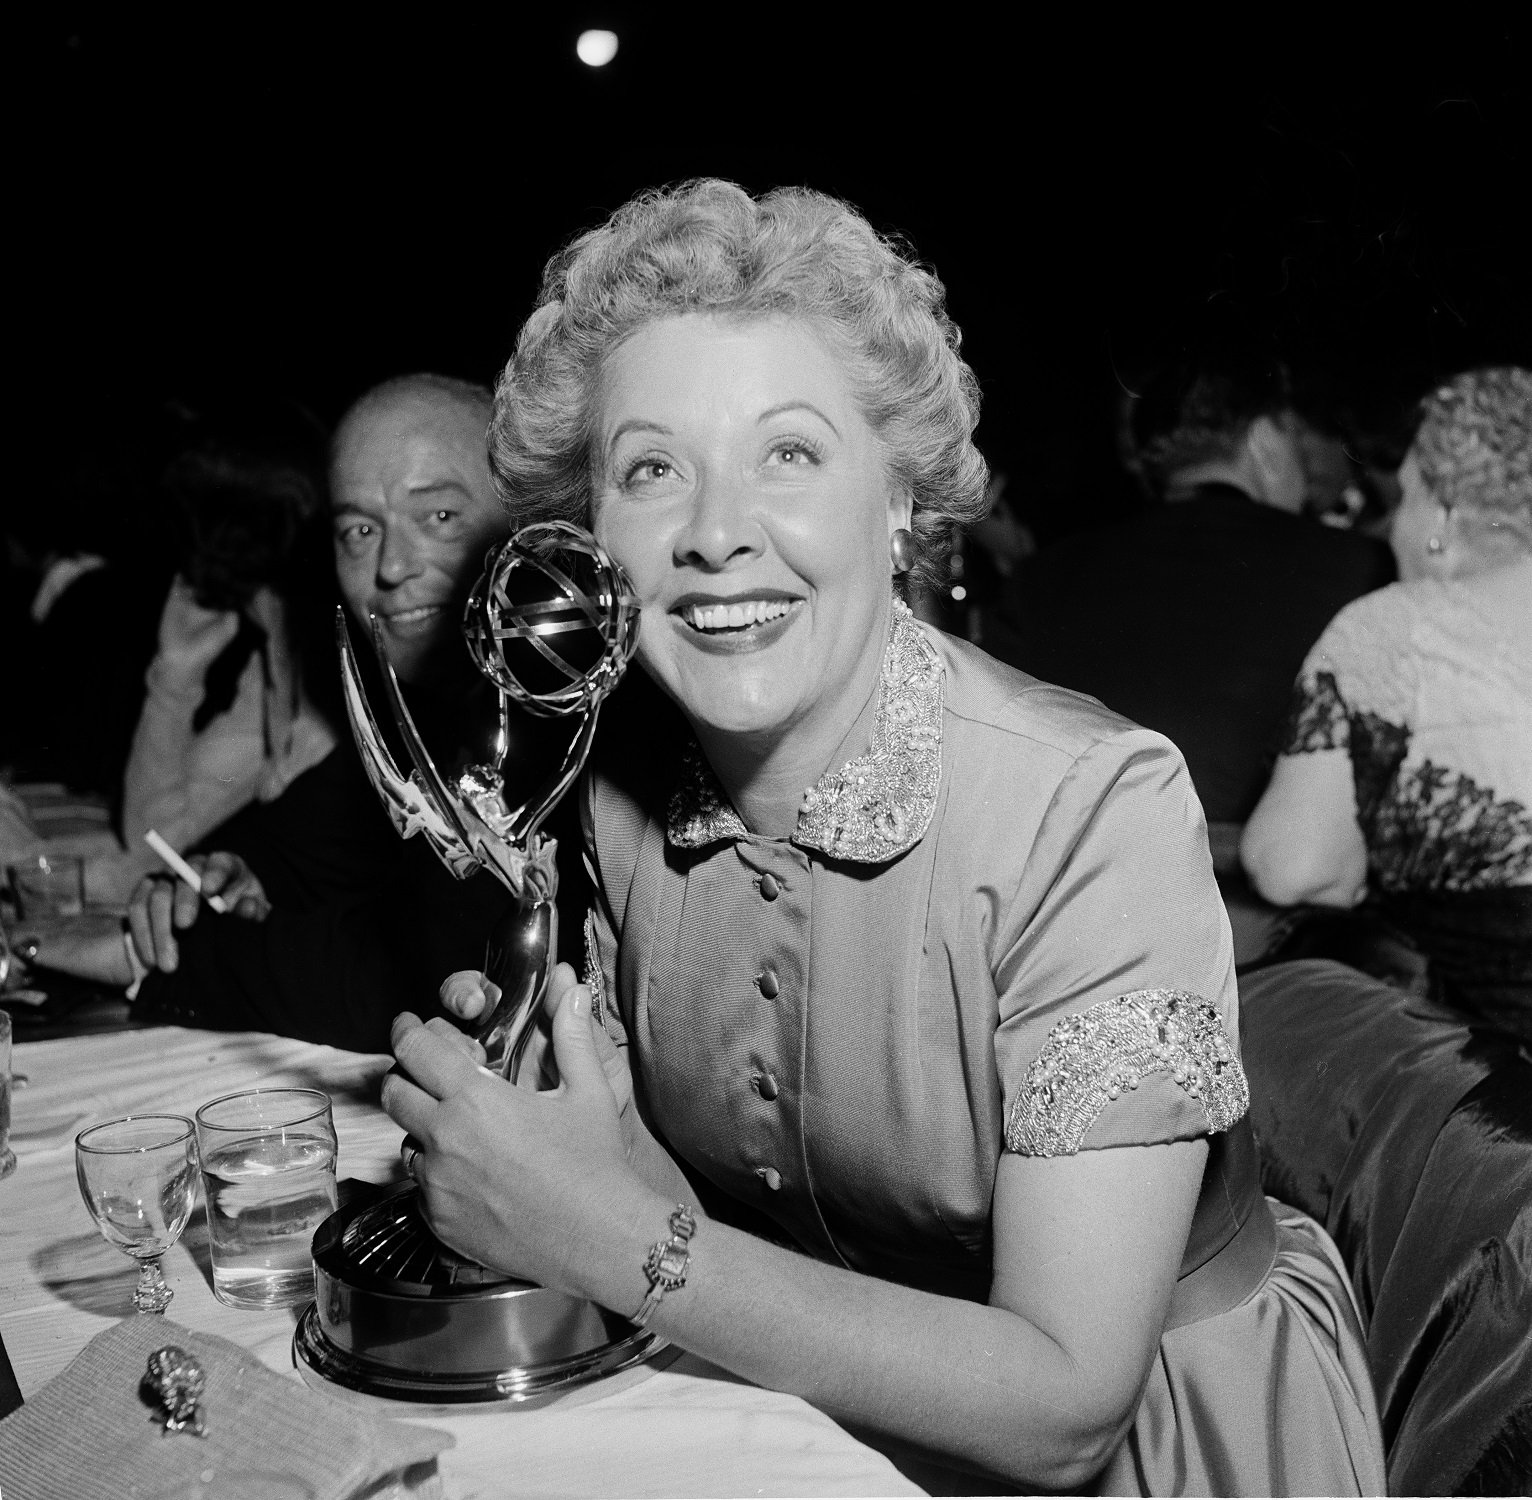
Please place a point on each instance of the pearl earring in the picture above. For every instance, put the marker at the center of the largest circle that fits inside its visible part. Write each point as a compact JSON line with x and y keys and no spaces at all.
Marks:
{"x":901,"y":550}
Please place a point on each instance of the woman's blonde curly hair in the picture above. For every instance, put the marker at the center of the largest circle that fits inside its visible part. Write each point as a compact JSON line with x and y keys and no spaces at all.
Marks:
{"x":707,"y":246}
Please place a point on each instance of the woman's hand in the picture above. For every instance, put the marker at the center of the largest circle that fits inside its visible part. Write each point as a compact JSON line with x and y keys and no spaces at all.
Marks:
{"x":162,"y":905}
{"x":536,"y":1184}
{"x":471,"y":996}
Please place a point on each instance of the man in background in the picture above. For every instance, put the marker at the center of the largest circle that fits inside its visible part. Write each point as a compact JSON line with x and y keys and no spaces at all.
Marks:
{"x":1194,"y":618}
{"x":337,"y":924}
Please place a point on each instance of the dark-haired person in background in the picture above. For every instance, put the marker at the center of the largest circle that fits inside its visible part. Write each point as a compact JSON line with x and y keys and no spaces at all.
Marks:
{"x":240,"y":696}
{"x":1193,"y":618}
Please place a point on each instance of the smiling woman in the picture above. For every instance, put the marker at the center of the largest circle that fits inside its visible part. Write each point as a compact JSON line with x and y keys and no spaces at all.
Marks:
{"x":752,"y":505}
{"x":944,"y":1048}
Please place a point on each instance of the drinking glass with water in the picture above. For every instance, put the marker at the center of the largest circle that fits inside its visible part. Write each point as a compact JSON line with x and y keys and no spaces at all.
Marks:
{"x":268,"y":1167}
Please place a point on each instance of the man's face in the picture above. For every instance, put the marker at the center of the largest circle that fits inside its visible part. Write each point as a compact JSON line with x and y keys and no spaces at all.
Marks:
{"x":415,"y":512}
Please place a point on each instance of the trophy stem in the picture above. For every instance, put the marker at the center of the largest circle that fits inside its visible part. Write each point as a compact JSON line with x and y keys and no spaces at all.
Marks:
{"x":534,"y":812}
{"x":520,"y":957}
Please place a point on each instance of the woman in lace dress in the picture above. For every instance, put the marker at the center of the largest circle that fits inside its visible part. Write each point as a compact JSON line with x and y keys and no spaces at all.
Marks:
{"x":1406,"y":776}
{"x":940,"y":1056}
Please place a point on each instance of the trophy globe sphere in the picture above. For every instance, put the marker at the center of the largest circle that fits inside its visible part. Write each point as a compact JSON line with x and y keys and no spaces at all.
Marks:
{"x":553,"y":620}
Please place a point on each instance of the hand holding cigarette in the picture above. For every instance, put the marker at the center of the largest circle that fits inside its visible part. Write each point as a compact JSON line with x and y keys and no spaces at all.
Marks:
{"x":184,"y":870}
{"x":160,"y":909}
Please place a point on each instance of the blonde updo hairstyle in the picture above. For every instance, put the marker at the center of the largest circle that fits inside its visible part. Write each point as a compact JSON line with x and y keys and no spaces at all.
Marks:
{"x":709,"y":247}
{"x":1474,"y":449}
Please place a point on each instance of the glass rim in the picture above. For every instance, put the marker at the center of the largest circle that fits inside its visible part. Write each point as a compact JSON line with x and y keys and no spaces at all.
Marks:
{"x":322,"y":1106}
{"x":81,"y":1144}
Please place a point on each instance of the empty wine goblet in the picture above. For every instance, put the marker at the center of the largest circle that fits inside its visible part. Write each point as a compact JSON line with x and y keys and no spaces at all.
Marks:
{"x":138,"y":1177}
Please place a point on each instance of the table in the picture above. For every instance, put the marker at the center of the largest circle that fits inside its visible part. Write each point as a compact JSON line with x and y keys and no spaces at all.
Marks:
{"x":686,"y":1429}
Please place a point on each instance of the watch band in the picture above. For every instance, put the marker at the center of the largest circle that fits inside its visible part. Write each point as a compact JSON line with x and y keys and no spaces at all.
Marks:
{"x":667,"y":1262}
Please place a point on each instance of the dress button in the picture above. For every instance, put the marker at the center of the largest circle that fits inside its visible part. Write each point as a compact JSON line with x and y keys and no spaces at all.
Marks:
{"x":765,"y":1084}
{"x":771,"y":1177}
{"x":770,"y":890}
{"x":768,"y":983}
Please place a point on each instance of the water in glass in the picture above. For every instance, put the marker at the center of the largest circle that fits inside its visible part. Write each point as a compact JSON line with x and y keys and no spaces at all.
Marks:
{"x":268,"y":1166}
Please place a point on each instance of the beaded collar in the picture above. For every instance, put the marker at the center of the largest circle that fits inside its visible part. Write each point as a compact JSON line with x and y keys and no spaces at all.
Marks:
{"x":874,"y":807}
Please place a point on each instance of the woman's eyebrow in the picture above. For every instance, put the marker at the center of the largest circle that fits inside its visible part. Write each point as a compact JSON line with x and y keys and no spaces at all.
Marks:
{"x":637,"y":424}
{"x":786,"y":406}
{"x":634,"y":424}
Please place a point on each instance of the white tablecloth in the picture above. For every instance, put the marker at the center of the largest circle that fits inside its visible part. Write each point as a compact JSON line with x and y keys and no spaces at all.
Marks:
{"x":686,"y":1429}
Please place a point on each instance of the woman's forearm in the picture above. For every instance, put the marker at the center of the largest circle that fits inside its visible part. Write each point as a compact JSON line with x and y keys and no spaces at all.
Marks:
{"x":1039,"y":1386}
{"x":977,"y":1383}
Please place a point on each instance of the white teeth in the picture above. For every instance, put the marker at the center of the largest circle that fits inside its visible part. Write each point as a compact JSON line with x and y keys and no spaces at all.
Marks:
{"x":735,"y":616}
{"x":406,"y":616}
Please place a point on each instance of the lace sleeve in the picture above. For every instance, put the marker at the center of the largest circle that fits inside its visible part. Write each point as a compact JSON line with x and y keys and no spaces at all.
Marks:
{"x":1091,"y":1058}
{"x":1318,"y":718}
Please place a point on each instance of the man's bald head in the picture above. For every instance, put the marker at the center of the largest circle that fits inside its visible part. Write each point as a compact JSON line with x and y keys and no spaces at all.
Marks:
{"x":460,"y":409}
{"x":415,"y":510}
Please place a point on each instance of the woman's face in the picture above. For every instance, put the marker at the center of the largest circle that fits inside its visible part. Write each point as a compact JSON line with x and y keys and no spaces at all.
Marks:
{"x":736,"y":480}
{"x":1416,"y":520}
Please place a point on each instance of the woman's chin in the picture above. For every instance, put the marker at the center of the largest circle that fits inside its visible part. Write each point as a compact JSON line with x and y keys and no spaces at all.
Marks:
{"x":752,"y":720}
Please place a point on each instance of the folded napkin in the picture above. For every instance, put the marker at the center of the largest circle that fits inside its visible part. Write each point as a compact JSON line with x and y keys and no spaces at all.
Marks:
{"x":93,"y":1430}
{"x":10,"y":1392}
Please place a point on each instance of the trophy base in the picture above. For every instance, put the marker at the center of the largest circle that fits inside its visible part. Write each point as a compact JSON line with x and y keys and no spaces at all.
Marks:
{"x":399,"y":1315}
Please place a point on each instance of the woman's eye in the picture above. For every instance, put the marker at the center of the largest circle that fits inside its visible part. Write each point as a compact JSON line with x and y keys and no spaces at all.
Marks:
{"x":650,"y":471}
{"x":795,"y":454}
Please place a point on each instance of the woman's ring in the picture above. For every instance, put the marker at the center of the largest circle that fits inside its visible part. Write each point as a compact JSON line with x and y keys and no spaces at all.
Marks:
{"x":409,"y":1152}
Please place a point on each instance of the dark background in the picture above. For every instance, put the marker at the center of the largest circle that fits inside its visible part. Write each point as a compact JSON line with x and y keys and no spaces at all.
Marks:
{"x":212,"y":206}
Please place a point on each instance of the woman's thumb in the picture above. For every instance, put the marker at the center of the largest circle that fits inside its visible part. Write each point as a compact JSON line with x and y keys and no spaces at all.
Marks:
{"x":574,"y":1045}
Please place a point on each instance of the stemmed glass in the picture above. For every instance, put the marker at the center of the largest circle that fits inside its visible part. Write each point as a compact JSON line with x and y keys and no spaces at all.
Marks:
{"x":138,"y":1176}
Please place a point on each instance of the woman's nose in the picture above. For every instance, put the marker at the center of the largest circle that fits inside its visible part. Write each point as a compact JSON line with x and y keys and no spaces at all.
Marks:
{"x":721,"y":525}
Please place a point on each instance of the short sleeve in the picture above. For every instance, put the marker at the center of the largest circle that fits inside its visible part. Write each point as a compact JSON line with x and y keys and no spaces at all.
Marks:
{"x":1359,"y":665}
{"x":1118,"y":1016}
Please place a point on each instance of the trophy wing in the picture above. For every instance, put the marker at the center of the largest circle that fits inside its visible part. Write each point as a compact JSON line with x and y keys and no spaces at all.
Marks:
{"x":405,"y":801}
{"x":476,"y":844}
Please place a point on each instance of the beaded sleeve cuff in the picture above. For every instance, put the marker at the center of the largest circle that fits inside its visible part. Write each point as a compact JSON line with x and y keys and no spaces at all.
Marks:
{"x":1090,"y":1058}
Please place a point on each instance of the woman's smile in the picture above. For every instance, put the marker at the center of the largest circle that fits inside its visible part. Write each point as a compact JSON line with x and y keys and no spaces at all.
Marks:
{"x":738,"y":623}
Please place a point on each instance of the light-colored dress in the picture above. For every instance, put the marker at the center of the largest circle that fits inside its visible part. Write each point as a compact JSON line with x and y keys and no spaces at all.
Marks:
{"x":1428,"y":686}
{"x":998,"y":930}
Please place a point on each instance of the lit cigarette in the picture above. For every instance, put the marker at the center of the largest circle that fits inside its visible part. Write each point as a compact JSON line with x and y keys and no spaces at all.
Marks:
{"x":184,"y":870}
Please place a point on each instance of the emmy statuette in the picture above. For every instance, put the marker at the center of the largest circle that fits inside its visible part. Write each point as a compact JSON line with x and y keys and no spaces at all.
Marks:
{"x":552,"y":623}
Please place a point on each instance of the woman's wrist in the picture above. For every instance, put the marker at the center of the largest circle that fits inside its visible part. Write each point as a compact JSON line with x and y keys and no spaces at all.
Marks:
{"x":614,"y":1274}
{"x":668,"y":1262}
